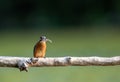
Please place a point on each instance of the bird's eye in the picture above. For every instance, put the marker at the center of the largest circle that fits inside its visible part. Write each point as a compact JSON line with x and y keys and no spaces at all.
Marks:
{"x":42,"y":37}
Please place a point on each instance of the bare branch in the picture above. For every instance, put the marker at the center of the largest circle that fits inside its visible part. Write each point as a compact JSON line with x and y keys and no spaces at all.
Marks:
{"x":23,"y":62}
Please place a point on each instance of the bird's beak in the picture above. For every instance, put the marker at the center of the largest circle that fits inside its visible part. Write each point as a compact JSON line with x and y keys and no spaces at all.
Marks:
{"x":49,"y":40}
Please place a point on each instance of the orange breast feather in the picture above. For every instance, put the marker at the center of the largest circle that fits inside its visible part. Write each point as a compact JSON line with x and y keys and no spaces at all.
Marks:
{"x":40,"y":49}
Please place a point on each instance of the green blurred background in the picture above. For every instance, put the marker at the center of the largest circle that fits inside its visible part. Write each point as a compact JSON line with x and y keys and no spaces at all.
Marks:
{"x":76,"y":27}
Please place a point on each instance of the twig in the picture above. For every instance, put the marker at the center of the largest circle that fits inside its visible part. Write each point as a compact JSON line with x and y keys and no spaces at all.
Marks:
{"x":24,"y":62}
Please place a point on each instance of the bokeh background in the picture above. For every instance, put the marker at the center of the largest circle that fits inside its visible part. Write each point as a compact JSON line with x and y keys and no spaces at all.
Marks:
{"x":76,"y":27}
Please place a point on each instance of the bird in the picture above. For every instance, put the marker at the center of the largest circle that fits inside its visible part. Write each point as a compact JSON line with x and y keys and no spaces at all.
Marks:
{"x":40,"y":47}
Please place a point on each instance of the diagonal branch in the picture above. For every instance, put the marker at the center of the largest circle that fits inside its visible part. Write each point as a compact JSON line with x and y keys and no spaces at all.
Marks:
{"x":24,"y":62}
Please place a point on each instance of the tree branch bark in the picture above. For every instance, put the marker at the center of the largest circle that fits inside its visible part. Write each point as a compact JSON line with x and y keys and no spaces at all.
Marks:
{"x":24,"y":62}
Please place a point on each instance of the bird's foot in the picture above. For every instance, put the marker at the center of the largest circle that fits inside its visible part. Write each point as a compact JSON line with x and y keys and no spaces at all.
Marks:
{"x":44,"y":57}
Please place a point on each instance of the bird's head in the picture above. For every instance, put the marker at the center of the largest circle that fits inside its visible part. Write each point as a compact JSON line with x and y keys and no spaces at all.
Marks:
{"x":43,"y":38}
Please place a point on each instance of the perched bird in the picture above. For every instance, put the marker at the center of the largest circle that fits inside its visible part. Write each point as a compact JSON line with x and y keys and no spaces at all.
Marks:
{"x":40,"y":47}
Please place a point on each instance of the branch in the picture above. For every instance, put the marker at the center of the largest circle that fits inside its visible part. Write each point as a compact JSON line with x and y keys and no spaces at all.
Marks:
{"x":24,"y":62}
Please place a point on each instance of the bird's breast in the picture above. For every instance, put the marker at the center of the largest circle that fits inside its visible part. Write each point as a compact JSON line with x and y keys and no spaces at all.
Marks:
{"x":40,"y":49}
